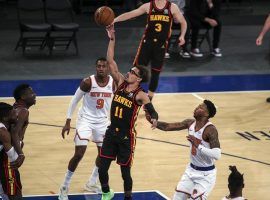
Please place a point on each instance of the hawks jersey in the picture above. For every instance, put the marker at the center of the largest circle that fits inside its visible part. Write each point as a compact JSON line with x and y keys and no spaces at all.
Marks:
{"x":1,"y":145}
{"x":159,"y":22}
{"x":124,"y":109}
{"x":96,"y":103}
{"x":196,"y":157}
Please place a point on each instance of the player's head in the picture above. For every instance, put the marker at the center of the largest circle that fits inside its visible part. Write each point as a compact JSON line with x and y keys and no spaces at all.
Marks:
{"x":6,"y":113}
{"x":102,"y":67}
{"x":138,"y":74}
{"x":236,"y":181}
{"x":25,"y":93}
{"x":206,"y":109}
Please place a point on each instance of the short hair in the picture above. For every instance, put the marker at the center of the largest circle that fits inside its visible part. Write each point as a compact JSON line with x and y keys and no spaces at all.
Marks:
{"x":143,"y":72}
{"x":210,"y":107}
{"x":4,"y":110}
{"x":20,"y":90}
{"x":235,"y":179}
{"x":101,"y":59}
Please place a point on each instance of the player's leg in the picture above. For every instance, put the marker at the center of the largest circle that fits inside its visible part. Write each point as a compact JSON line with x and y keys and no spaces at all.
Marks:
{"x":204,"y":184}
{"x":157,"y":61}
{"x":143,"y":53}
{"x":184,"y":186}
{"x":83,"y":134}
{"x":99,"y":130}
{"x":125,"y":170}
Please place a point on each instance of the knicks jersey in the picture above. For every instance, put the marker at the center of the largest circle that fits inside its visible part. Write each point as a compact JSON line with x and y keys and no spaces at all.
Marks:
{"x":159,"y":22}
{"x":124,"y":109}
{"x":196,"y":157}
{"x":97,"y":102}
{"x":2,"y":126}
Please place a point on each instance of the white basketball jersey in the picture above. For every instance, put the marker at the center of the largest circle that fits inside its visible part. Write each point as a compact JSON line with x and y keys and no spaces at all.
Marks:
{"x":2,"y":126}
{"x":97,"y":102}
{"x":237,"y":198}
{"x":196,"y":157}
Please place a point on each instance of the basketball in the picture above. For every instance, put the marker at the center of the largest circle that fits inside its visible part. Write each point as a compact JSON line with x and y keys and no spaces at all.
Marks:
{"x":104,"y":16}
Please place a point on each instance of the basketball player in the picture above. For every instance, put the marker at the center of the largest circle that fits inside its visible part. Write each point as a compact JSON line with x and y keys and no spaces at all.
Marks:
{"x":236,"y":185}
{"x":97,"y":92}
{"x":152,"y":48}
{"x":24,"y":99}
{"x":120,"y":138}
{"x":200,"y":175}
{"x":259,"y":39}
{"x":7,"y":152}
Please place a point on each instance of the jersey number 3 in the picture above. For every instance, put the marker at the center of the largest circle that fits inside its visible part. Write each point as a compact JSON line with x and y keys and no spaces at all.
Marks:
{"x":100,"y":103}
{"x":158,"y":27}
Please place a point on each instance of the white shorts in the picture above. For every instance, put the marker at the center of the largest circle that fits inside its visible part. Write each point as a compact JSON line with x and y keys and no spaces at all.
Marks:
{"x":86,"y":131}
{"x":196,"y":184}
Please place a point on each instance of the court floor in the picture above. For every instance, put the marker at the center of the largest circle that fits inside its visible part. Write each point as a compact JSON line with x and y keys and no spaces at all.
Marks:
{"x":242,"y":121}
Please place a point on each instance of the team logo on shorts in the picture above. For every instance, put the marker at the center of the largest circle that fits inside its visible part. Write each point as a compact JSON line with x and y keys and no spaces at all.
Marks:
{"x":10,"y":180}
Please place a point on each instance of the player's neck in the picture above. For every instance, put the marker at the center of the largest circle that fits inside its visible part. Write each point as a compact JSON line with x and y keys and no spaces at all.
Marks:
{"x":236,"y":194}
{"x":21,"y":103}
{"x":201,"y":122}
{"x":102,"y":79}
{"x":160,"y":3}
{"x":132,"y":86}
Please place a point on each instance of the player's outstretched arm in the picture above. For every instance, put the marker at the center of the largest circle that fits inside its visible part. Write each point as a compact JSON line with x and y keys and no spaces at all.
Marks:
{"x":134,"y":13}
{"x":117,"y":76}
{"x":265,"y":28}
{"x":180,"y":18}
{"x":175,"y":126}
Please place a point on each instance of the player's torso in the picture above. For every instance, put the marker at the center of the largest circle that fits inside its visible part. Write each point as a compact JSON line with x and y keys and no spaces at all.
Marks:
{"x":18,"y":108}
{"x":159,"y":22}
{"x":124,"y":109}
{"x":195,"y":156}
{"x":96,"y":103}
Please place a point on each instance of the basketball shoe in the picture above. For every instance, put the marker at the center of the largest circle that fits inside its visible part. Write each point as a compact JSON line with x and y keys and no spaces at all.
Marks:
{"x":63,"y":193}
{"x":95,"y":188}
{"x":107,"y":195}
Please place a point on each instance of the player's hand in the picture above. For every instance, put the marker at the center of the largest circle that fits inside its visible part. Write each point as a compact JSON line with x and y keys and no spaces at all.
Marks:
{"x":110,"y":31}
{"x":65,"y":129}
{"x":154,"y":123}
{"x":212,"y":22}
{"x":181,"y":40}
{"x":18,"y":162}
{"x":259,"y":41}
{"x":192,"y":139}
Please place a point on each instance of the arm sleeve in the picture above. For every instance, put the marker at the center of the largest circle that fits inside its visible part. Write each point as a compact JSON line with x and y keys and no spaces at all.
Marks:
{"x":151,"y":110}
{"x":74,"y":101}
{"x":12,"y":154}
{"x":214,"y":153}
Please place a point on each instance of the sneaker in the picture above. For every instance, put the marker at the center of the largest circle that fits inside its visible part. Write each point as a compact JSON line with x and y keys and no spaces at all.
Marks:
{"x":217,"y":52}
{"x":167,"y":55}
{"x":184,"y":54}
{"x":63,"y":193}
{"x":108,"y":195}
{"x":196,"y":53}
{"x":95,"y":188}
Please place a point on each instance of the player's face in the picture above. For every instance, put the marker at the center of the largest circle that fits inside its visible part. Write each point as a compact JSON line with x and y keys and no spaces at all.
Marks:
{"x":102,"y":68}
{"x":133,"y":75}
{"x":29,"y":97}
{"x":201,"y":111}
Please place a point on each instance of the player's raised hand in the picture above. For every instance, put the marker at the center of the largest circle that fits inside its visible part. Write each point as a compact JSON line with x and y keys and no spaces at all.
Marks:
{"x":66,"y":128}
{"x":259,"y":41}
{"x":111,"y":32}
{"x":181,"y":41}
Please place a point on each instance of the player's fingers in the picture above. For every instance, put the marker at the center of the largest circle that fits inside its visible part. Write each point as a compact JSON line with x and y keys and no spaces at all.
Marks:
{"x":63,"y":133}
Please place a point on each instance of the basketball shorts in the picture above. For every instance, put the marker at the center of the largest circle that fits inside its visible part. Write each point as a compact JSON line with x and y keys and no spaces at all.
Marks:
{"x":117,"y":145}
{"x":196,"y":183}
{"x":86,"y":130}
{"x":10,"y":178}
{"x":152,"y":52}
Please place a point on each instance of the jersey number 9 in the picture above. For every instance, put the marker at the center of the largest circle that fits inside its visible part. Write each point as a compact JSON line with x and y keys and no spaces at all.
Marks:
{"x":100,"y":103}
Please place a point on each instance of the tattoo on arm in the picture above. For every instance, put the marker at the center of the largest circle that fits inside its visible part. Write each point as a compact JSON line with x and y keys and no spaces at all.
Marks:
{"x":177,"y":126}
{"x":213,"y":137}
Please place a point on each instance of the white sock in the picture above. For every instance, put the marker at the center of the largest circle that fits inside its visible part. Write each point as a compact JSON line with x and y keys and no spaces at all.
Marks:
{"x":94,"y":176}
{"x":68,"y":177}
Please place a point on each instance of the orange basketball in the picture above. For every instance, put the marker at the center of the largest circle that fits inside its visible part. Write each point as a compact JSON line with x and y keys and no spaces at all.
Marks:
{"x":104,"y":16}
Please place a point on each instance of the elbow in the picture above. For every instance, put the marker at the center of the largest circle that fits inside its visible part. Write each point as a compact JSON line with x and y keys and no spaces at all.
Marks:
{"x":218,"y":154}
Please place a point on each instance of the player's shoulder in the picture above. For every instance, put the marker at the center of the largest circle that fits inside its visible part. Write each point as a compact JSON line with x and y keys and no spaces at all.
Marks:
{"x":86,"y":83}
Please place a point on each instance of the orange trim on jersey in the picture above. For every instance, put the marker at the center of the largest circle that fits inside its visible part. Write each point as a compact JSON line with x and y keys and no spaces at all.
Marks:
{"x":158,"y":70}
{"x":79,"y":136}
